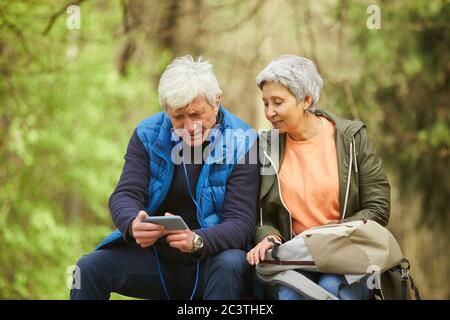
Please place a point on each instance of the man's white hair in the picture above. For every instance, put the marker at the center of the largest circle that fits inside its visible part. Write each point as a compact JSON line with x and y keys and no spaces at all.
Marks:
{"x":298,"y":74}
{"x":184,"y":80}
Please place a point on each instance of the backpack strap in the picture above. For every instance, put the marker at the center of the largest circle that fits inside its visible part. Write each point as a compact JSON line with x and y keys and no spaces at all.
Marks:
{"x":404,"y":267}
{"x":415,"y":289}
{"x":298,"y":282}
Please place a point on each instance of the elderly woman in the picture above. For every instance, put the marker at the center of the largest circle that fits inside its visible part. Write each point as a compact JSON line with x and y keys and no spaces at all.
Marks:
{"x":329,"y":170}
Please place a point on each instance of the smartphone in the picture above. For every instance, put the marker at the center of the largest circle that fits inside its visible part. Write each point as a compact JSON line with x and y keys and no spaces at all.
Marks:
{"x":169,"y":222}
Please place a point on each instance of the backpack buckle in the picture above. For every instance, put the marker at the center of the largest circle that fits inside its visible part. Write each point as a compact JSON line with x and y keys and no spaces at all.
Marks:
{"x":405,"y":274}
{"x":276,"y":244}
{"x":405,"y":266}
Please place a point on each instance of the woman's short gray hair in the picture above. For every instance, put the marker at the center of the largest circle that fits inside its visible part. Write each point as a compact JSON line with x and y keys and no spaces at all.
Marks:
{"x":298,"y":74}
{"x":184,"y":80}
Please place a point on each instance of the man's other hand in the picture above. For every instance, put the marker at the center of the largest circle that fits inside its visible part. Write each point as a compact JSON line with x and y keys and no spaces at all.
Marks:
{"x":180,"y":239}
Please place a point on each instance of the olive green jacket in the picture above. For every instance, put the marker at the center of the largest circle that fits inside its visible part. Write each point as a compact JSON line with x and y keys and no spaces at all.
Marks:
{"x":364,"y":191}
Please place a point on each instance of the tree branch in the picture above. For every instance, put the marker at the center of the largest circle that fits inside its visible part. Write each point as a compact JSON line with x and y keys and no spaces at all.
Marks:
{"x":350,"y":99}
{"x":17,"y":31}
{"x":248,"y":17}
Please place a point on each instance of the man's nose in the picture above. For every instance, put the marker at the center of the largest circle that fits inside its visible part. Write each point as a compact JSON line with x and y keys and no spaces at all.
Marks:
{"x":189,"y":125}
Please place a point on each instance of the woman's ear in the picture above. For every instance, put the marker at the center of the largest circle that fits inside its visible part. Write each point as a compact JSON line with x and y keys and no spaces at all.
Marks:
{"x":307,"y":102}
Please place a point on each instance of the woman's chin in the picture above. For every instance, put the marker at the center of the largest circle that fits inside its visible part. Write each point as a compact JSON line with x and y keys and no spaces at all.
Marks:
{"x":280,"y":128}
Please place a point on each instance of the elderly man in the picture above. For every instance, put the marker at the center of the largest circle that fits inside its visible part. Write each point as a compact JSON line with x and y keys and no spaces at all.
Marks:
{"x":216,"y":197}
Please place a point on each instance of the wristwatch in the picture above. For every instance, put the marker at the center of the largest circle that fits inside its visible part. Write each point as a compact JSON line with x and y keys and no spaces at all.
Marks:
{"x":197,"y":242}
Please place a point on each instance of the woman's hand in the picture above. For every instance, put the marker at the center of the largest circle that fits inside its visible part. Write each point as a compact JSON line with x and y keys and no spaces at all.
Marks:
{"x":258,"y":253}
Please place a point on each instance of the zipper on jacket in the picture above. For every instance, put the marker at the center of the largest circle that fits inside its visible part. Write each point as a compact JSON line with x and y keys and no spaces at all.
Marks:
{"x":165,"y":188}
{"x":348,"y":181}
{"x":260,"y":217}
{"x":205,"y":183}
{"x":354,"y":155}
{"x":281,"y":197}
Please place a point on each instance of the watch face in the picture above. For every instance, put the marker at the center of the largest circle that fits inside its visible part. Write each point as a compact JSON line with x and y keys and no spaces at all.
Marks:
{"x":198,"y":242}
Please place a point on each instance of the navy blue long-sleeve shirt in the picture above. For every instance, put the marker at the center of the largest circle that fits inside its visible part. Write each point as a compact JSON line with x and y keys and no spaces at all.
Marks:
{"x":239,"y":207}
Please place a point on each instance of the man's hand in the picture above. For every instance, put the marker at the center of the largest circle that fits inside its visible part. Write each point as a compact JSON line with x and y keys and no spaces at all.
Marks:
{"x":258,"y":253}
{"x":146,"y":233}
{"x":180,"y":239}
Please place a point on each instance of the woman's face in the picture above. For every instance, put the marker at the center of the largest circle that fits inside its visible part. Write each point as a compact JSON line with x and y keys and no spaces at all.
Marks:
{"x":281,"y":108}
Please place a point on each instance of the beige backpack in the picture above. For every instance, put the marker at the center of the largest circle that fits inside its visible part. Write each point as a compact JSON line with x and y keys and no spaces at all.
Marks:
{"x":354,"y":249}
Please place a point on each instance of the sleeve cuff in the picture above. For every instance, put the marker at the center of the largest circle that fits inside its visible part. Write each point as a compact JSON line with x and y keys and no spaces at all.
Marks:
{"x":127,"y":236}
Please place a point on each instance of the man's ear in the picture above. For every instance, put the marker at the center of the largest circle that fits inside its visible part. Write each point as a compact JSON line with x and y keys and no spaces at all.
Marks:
{"x":216,"y":107}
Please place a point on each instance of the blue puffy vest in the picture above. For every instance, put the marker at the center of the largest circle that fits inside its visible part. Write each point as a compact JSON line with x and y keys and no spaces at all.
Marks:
{"x":232,"y":139}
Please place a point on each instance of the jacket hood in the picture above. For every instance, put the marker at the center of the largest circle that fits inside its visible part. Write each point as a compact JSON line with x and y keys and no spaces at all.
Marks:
{"x":348,"y":128}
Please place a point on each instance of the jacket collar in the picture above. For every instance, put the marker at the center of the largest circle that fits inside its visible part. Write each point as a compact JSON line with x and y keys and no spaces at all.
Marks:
{"x":345,"y":128}
{"x":345,"y":131}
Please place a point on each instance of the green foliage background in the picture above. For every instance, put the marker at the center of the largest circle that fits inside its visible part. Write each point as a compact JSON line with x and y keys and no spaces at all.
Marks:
{"x":69,"y":101}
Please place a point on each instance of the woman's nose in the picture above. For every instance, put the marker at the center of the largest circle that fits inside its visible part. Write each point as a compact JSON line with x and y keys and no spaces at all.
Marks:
{"x":270,"y":113}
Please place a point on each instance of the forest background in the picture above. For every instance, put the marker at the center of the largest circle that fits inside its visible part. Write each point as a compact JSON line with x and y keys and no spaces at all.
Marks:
{"x":77,"y":76}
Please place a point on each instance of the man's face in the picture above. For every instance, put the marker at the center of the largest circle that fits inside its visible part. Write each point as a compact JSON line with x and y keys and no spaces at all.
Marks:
{"x":193,"y":123}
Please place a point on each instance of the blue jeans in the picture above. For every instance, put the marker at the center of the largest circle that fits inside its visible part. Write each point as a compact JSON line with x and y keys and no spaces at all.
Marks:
{"x":132,"y":271}
{"x":333,"y":283}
